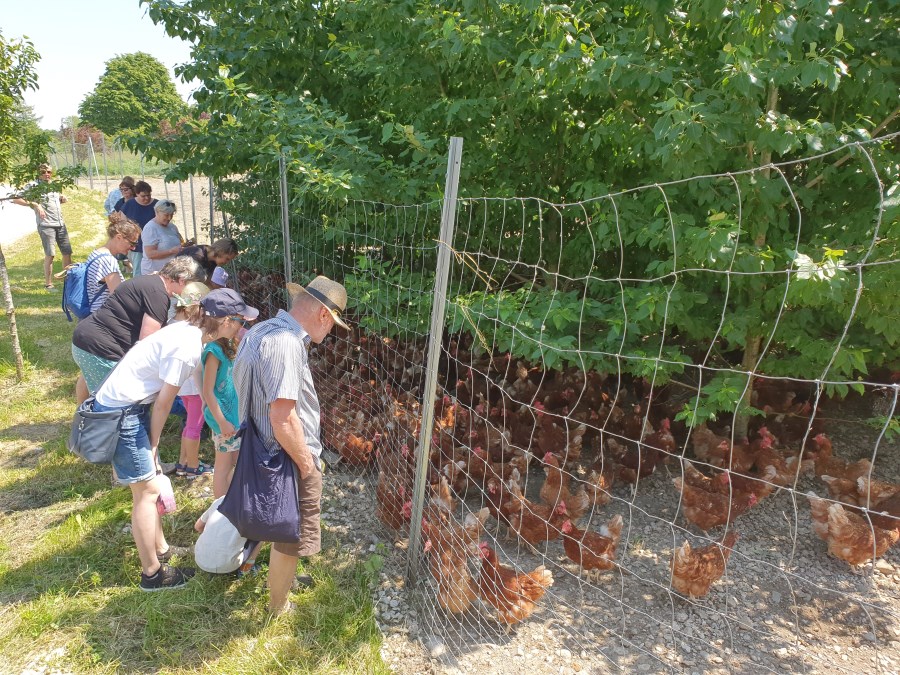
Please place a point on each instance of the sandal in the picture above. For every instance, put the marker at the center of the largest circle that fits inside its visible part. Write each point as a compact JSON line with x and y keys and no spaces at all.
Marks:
{"x":49,"y":287}
{"x":201,"y":469}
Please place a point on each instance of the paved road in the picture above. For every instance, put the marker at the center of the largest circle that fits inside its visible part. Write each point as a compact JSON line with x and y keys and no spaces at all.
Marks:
{"x":15,"y":221}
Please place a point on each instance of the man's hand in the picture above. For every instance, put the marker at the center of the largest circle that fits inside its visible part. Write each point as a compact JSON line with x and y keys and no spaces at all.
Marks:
{"x":38,"y":209}
{"x":288,"y":431}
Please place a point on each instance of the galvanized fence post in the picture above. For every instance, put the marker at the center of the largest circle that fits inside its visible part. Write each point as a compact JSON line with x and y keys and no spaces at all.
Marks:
{"x":212,"y":209}
{"x":105,"y":168}
{"x":193,"y":206}
{"x":285,"y":219}
{"x":445,"y":241}
{"x":92,"y":164}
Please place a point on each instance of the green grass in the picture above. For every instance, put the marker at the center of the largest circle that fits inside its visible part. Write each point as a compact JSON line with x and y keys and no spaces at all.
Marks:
{"x":68,"y":565}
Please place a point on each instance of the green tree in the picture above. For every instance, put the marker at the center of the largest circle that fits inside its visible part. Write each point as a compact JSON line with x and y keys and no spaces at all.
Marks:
{"x":135,"y":93}
{"x":567,"y":102}
{"x":17,"y":75}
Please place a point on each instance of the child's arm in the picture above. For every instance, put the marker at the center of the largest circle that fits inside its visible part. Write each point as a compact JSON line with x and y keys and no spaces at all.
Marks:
{"x":210,"y":370}
{"x":200,"y":525}
{"x":198,"y":383}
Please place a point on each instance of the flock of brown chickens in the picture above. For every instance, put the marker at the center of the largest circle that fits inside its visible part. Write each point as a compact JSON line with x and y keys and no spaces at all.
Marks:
{"x":499,"y":419}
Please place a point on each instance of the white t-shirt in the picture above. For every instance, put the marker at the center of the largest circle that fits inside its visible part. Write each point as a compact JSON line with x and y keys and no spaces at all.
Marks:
{"x":168,"y":356}
{"x":220,"y":548}
{"x":190,"y":388}
{"x":163,"y":238}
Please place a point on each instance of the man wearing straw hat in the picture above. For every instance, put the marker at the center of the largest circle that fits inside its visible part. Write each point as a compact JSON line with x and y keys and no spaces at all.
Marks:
{"x":275,"y":388}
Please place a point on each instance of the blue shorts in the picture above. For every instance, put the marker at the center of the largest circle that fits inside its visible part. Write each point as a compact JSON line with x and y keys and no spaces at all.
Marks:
{"x":94,"y":368}
{"x":133,"y":461}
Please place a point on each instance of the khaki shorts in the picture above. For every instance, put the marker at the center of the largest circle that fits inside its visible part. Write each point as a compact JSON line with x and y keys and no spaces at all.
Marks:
{"x":51,"y":235}
{"x":310,"y":532}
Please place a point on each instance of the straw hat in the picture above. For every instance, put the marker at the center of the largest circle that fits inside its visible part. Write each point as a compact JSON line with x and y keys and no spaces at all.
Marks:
{"x":192,"y":294}
{"x":331,"y":294}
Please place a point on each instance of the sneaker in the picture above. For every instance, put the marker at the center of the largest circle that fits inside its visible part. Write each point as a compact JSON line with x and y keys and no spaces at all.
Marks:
{"x":166,"y":578}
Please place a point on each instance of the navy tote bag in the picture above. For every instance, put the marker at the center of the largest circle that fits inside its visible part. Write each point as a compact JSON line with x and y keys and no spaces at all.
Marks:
{"x":263,"y":501}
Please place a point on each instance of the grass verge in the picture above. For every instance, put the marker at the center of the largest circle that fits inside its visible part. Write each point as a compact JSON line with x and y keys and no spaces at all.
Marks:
{"x":68,"y":566}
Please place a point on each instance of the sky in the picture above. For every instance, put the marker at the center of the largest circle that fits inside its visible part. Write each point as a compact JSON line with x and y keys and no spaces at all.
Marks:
{"x":76,"y":39}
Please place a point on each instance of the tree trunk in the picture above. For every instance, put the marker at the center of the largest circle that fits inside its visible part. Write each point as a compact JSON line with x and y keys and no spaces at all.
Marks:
{"x":11,"y":315}
{"x":753,"y":341}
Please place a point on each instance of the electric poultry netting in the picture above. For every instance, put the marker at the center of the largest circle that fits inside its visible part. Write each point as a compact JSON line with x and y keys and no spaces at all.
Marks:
{"x":588,"y":481}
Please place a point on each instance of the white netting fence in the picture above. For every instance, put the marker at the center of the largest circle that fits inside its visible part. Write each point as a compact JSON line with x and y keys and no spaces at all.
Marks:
{"x":592,"y":361}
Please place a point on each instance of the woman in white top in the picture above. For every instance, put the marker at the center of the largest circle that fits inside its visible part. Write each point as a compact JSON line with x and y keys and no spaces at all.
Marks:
{"x":161,"y":238}
{"x":152,"y":372}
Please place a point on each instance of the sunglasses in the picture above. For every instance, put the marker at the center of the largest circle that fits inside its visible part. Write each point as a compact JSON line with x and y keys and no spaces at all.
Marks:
{"x":131,"y":243}
{"x":239,"y":319}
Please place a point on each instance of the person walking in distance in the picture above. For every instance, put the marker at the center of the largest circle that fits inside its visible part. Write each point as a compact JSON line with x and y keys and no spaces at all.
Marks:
{"x":275,"y":388}
{"x":50,"y":224}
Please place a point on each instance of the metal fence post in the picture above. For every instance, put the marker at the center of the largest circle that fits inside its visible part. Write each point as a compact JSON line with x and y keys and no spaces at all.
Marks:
{"x":105,"y":168}
{"x":181,"y":197}
{"x":285,"y":219}
{"x":193,"y":206}
{"x":74,"y":153}
{"x":445,"y":241}
{"x":212,"y":210}
{"x":92,"y":164}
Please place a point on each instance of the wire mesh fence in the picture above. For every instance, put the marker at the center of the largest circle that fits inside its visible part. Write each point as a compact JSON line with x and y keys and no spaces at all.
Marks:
{"x":650,"y":446}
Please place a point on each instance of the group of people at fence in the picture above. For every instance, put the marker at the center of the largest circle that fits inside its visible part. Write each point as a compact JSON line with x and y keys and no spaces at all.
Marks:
{"x":174,"y":331}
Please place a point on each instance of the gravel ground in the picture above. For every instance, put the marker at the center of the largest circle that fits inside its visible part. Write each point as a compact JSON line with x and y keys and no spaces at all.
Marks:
{"x":783,"y":606}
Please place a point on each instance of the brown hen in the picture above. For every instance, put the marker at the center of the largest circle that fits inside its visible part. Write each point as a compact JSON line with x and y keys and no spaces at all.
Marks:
{"x":449,"y":546}
{"x":707,"y":510}
{"x":850,"y":536}
{"x":593,"y":551}
{"x":695,"y":570}
{"x":513,"y":595}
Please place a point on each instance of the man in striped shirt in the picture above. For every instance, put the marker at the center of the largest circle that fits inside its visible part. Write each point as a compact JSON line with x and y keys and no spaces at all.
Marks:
{"x":275,"y":388}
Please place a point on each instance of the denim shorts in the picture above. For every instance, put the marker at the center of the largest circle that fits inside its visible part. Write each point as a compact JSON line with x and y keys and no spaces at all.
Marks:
{"x":133,"y":461}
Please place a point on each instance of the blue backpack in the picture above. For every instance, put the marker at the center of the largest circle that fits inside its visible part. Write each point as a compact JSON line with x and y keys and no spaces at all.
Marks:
{"x":75,"y":298}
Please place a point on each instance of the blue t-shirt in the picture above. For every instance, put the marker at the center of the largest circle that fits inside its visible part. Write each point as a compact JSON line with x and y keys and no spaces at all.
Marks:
{"x":224,"y":389}
{"x":139,"y":214}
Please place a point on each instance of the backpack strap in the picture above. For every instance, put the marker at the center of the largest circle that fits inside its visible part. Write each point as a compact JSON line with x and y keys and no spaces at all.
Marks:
{"x":87,"y":276}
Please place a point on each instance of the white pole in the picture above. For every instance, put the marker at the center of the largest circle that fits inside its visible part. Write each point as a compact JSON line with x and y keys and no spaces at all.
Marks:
{"x":448,"y":221}
{"x":193,"y":209}
{"x":285,"y":220}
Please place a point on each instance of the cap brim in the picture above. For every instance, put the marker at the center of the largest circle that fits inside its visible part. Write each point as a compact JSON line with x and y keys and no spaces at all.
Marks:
{"x":250,"y":313}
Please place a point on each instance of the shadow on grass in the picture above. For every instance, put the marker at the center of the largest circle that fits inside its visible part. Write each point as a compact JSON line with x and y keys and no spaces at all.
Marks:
{"x":216,"y":622}
{"x":57,"y":477}
{"x":39,"y":432}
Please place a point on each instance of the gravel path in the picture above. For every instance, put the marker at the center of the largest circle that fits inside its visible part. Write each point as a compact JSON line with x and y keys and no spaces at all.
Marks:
{"x":783,"y":606}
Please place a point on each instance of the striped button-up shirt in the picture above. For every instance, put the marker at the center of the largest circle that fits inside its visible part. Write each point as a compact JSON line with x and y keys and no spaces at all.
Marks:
{"x":271,"y":363}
